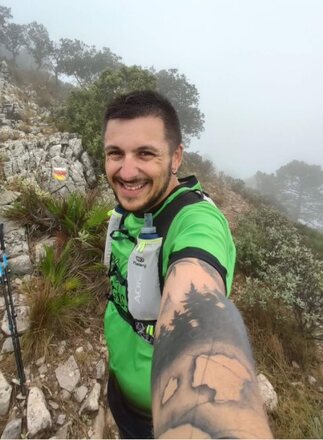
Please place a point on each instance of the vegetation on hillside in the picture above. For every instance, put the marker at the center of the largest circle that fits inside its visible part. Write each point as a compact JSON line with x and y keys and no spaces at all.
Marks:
{"x":71,"y":279}
{"x":280,"y":293}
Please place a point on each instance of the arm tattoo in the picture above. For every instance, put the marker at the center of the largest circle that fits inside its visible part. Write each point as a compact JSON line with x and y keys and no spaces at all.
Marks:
{"x":204,"y":349}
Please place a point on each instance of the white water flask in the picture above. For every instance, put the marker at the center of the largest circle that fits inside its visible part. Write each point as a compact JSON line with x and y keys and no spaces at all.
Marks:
{"x":114,"y":223}
{"x":143,"y":279}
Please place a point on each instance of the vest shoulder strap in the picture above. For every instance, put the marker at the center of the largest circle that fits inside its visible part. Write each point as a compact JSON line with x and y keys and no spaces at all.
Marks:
{"x":166,"y":217}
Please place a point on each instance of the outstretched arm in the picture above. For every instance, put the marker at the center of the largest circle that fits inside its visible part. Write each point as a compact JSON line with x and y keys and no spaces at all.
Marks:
{"x":203,"y":378}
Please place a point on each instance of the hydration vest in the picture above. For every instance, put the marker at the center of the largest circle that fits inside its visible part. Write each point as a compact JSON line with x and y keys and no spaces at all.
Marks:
{"x":142,"y":320}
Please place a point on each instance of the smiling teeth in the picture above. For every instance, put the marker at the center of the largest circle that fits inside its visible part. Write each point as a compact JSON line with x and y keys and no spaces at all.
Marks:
{"x":133,"y":188}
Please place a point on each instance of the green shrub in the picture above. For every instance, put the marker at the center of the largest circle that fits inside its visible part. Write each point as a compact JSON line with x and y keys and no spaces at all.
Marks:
{"x":284,"y":269}
{"x":59,"y":302}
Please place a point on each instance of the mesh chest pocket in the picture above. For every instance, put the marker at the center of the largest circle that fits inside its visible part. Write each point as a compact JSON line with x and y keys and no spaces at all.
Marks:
{"x":144,"y":293}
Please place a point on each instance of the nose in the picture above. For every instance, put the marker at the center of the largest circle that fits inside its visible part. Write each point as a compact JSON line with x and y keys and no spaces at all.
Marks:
{"x":128,"y":170}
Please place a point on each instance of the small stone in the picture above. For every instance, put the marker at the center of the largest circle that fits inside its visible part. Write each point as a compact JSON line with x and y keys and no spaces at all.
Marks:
{"x":80,"y":393}
{"x":65,"y":395}
{"x":22,"y":320}
{"x":5,"y":395}
{"x":92,"y":402}
{"x":297,"y":384}
{"x":311,"y":380}
{"x":61,"y":419}
{"x":79,"y":350}
{"x":42,"y":369}
{"x":295,"y":365}
{"x":7,"y":346}
{"x":40,"y":361}
{"x":268,"y":394}
{"x":61,"y":348}
{"x":89,"y":346}
{"x":53,"y":404}
{"x":87,"y":331}
{"x":62,"y":433}
{"x":20,"y":396}
{"x":12,"y":429}
{"x":100,"y":369}
{"x":68,"y":374}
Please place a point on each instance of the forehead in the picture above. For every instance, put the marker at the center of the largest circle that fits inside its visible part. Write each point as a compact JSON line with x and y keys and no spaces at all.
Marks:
{"x":147,"y":129}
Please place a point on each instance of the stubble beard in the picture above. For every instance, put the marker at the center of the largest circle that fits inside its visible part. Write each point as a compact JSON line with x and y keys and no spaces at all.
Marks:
{"x":156,"y":199}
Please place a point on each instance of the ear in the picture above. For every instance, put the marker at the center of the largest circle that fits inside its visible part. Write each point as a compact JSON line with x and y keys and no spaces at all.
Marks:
{"x":177,"y":157}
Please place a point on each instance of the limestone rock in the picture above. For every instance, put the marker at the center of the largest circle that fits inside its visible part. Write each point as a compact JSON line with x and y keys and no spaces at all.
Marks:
{"x":12,"y":429}
{"x":311,"y":380}
{"x":92,"y":402}
{"x":22,"y":320}
{"x":99,"y":424}
{"x":68,"y":374}
{"x":61,"y":419}
{"x":100,"y":369}
{"x":5,"y":395}
{"x":65,"y":395}
{"x":7,"y":346}
{"x":80,"y":393}
{"x":38,"y":416}
{"x":20,"y":265}
{"x":268,"y":394}
{"x":62,"y":433}
{"x":8,"y":197}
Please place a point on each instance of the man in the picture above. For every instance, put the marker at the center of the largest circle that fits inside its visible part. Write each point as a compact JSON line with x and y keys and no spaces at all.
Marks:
{"x":190,"y":364}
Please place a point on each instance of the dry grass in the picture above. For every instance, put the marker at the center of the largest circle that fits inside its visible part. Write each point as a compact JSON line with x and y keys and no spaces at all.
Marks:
{"x":54,"y":314}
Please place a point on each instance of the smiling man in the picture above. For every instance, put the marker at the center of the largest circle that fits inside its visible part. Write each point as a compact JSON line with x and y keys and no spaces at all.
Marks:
{"x":179,"y":358}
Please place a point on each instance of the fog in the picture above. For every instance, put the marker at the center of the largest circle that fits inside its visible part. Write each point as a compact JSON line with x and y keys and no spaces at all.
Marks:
{"x":257,"y":64}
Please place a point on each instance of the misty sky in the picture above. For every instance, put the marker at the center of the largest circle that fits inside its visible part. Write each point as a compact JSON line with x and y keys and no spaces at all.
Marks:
{"x":258,"y":66}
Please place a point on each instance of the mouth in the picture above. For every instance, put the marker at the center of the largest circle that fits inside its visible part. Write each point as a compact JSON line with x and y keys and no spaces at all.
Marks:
{"x":131,"y":186}
{"x":130,"y":189}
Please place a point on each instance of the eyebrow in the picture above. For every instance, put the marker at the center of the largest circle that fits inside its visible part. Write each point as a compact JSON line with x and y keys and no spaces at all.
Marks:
{"x":142,"y":147}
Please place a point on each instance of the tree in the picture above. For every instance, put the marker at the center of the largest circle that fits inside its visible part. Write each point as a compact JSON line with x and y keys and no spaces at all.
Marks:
{"x":84,"y":109}
{"x":185,"y":98}
{"x":5,"y":15}
{"x":56,"y":60}
{"x":84,"y":63}
{"x":298,"y":187}
{"x":15,"y":38}
{"x":38,"y":43}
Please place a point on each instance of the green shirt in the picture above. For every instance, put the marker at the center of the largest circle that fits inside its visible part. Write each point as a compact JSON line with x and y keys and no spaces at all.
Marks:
{"x":199,"y":231}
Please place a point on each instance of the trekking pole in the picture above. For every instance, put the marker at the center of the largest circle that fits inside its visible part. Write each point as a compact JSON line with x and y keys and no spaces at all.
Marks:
{"x":10,"y":308}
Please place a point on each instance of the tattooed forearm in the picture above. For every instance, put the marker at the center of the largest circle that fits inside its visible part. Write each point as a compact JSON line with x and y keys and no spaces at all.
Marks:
{"x":203,"y":377}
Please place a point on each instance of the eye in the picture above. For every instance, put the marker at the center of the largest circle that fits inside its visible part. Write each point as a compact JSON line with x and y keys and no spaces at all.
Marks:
{"x":146,"y":154}
{"x":113,"y":154}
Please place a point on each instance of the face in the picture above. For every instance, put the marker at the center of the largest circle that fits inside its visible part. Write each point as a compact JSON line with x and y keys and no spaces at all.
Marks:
{"x":138,"y":162}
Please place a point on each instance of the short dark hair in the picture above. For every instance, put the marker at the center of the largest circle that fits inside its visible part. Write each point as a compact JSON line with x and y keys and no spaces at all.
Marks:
{"x":147,"y":103}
